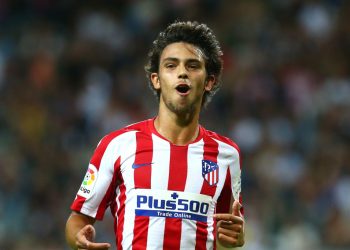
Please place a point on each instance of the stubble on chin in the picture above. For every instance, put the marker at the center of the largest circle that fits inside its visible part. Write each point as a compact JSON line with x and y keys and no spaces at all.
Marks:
{"x":180,"y":109}
{"x":185,"y":111}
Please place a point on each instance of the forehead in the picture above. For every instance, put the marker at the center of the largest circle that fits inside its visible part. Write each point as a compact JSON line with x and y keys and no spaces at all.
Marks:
{"x":182,"y":51}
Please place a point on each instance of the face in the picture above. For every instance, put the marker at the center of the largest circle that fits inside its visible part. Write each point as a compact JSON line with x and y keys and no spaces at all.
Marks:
{"x":182,"y":78}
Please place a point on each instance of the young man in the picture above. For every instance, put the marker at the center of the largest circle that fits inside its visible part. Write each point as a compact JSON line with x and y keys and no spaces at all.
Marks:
{"x":165,"y":179}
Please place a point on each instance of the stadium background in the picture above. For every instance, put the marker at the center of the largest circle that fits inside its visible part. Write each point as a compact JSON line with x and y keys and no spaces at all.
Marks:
{"x":71,"y":71}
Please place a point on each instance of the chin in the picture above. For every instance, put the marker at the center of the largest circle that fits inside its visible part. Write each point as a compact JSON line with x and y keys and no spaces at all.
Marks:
{"x":178,"y":108}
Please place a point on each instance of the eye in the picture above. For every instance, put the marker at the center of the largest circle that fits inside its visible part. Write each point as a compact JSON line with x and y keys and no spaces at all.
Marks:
{"x":193,"y":66}
{"x":170,"y":65}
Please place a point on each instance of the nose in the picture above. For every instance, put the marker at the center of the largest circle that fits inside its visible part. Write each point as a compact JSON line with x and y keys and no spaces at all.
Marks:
{"x":182,"y":72}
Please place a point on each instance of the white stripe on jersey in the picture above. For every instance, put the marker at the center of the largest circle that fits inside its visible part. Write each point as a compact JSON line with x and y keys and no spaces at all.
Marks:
{"x":159,"y":180}
{"x":195,"y":154}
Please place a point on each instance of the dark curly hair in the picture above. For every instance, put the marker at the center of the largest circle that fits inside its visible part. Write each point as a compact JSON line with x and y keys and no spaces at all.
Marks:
{"x":199,"y":35}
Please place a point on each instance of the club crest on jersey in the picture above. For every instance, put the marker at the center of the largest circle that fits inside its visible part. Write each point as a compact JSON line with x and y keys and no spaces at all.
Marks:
{"x":210,"y":172}
{"x":89,"y":182}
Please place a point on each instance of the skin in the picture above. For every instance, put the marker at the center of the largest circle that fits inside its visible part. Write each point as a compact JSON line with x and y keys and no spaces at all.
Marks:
{"x":178,"y":121}
{"x":230,"y":227}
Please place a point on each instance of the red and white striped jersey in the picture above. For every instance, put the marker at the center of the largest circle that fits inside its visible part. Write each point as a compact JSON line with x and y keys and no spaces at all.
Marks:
{"x":162,"y":196}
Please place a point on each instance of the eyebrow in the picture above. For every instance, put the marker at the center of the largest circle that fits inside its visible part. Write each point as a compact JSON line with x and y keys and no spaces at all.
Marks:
{"x":177,"y":59}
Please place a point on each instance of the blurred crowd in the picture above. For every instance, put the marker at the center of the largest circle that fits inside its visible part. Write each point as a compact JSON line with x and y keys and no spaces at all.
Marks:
{"x":72,"y":71}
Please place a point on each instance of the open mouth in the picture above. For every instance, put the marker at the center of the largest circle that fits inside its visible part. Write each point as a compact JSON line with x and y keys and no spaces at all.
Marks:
{"x":183,"y":88}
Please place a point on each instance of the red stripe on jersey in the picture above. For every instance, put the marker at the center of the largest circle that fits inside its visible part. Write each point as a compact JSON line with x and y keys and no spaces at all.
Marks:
{"x":177,"y":182}
{"x":78,"y":203}
{"x":224,"y":200}
{"x":178,"y":168}
{"x":142,"y":179}
{"x":121,"y":212}
{"x":211,"y":151}
{"x":117,"y":180}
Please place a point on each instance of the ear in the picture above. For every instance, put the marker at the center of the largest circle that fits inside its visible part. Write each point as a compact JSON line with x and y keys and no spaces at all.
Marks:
{"x":155,"y":80}
{"x":210,"y":82}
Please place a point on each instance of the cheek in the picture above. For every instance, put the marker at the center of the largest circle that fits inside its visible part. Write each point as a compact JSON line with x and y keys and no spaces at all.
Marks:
{"x":165,"y":81}
{"x":200,"y":82}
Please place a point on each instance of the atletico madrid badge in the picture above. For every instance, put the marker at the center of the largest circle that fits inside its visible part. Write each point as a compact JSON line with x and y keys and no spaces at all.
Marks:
{"x":210,"y":172}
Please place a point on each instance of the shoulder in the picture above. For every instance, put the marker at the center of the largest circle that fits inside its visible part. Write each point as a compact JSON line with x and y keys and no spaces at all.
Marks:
{"x":142,"y":126}
{"x":116,"y":140}
{"x":221,"y":139}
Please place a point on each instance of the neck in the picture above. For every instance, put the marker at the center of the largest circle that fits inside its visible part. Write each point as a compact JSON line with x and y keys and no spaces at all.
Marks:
{"x":178,"y":129}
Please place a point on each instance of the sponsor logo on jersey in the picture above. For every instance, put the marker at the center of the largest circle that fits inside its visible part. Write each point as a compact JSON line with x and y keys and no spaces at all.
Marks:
{"x":210,"y":172}
{"x":89,"y":182}
{"x":135,"y":166}
{"x":170,"y":204}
